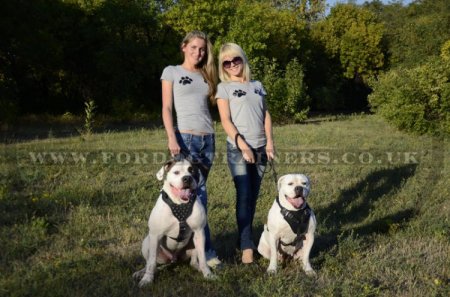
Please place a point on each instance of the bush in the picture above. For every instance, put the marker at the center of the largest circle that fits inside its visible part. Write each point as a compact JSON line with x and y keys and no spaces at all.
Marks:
{"x":416,"y":100}
{"x":8,"y":111}
{"x":445,"y":51}
{"x":286,"y":90}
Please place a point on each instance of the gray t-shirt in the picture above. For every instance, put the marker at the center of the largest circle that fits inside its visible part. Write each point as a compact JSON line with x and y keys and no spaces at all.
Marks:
{"x":247,"y":108}
{"x":190,"y":97}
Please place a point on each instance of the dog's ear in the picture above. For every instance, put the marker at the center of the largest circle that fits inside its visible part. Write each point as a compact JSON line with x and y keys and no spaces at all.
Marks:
{"x":164,"y":169}
{"x":308,"y":188}
{"x":280,"y":180}
{"x":198,"y":167}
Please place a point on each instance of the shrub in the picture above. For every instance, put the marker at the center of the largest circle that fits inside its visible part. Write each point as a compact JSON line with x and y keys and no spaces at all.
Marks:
{"x":416,"y":100}
{"x":8,"y":111}
{"x":286,"y":90}
{"x":445,"y":51}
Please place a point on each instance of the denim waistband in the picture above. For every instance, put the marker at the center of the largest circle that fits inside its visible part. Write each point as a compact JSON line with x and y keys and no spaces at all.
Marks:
{"x":195,"y":136}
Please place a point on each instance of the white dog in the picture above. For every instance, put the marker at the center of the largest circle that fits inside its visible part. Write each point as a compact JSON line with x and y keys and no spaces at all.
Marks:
{"x":177,"y":219}
{"x":291,"y":224}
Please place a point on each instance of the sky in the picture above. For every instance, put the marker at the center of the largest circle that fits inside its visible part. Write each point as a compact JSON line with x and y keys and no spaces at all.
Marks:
{"x":333,"y":2}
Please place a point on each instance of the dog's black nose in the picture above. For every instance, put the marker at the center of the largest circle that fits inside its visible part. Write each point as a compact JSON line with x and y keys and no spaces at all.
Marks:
{"x":298,"y":190}
{"x":187,"y":180}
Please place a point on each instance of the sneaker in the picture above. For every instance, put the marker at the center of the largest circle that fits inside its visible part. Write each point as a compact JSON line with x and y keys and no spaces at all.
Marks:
{"x":212,"y":260}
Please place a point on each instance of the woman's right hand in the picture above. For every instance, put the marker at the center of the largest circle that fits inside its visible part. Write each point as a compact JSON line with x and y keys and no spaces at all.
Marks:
{"x":174,"y":148}
{"x":248,"y":156}
{"x":247,"y":153}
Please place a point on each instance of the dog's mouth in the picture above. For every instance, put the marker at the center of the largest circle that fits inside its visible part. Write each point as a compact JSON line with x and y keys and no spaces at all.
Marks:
{"x":296,"y":201}
{"x":184,"y":193}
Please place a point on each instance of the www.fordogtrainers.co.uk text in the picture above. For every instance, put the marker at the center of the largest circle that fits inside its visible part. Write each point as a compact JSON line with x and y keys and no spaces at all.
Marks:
{"x":309,"y":157}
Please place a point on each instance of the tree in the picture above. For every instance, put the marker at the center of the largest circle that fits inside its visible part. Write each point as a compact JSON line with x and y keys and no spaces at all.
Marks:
{"x":280,"y":39}
{"x":353,"y":35}
{"x":210,"y":16}
{"x":415,"y":32}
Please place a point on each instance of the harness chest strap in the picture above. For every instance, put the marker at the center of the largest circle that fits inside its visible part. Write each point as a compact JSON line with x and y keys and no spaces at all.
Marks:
{"x":298,"y":221}
{"x":182,"y":212}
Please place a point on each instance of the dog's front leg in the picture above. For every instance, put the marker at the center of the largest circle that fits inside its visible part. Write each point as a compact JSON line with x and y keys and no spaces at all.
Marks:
{"x":199,"y":243}
{"x":304,"y":256}
{"x":150,"y":266}
{"x":273,"y":242}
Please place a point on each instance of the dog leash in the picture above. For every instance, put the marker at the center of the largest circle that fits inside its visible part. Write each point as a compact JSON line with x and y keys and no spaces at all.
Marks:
{"x":274,"y":172}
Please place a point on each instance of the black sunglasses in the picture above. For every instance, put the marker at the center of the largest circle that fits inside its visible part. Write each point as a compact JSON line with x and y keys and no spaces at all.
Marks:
{"x":235,"y":61}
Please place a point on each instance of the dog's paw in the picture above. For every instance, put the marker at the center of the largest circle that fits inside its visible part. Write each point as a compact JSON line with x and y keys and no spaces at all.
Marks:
{"x":195,"y":265}
{"x":210,"y":276}
{"x":207,"y":273}
{"x":310,"y":273}
{"x":272,"y":270}
{"x":147,"y":279}
{"x":139,"y":274}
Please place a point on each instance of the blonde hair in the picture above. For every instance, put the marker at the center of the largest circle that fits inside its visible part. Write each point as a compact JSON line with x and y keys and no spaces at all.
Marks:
{"x":233,"y":50}
{"x":206,"y":66}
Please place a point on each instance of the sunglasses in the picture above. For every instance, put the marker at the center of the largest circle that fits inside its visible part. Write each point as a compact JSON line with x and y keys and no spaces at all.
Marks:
{"x":235,"y":61}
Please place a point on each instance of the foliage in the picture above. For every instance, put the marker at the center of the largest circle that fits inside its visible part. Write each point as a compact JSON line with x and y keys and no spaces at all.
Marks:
{"x":64,"y":54}
{"x":297,"y":100}
{"x":89,"y":114}
{"x":309,"y":10}
{"x":413,"y":32}
{"x":57,"y":54}
{"x":8,"y":110}
{"x":212,"y":17}
{"x":416,"y":99}
{"x":353,"y":34}
{"x":287,"y":98}
{"x":282,"y":35}
{"x":445,"y":51}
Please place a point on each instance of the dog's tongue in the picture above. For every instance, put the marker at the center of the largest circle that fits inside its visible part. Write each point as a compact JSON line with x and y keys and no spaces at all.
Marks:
{"x":296,"y":202}
{"x":185,"y":194}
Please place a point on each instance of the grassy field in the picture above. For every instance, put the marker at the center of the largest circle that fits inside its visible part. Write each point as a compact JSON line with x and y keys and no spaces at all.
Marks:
{"x":73,"y":213}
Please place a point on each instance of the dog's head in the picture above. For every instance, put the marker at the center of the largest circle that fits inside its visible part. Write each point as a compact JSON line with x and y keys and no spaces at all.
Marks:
{"x":294,"y":189}
{"x":180,"y":182}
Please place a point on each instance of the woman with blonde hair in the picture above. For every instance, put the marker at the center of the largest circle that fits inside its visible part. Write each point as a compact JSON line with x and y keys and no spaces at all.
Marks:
{"x":247,"y":122}
{"x":187,"y":87}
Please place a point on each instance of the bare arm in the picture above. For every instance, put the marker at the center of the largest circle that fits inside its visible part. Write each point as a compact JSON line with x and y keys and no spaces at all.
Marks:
{"x":167,"y":106}
{"x":225,"y":117}
{"x":270,"y":149}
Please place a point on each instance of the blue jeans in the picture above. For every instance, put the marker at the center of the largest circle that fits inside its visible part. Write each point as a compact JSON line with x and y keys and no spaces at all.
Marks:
{"x":247,"y":181}
{"x":200,"y":148}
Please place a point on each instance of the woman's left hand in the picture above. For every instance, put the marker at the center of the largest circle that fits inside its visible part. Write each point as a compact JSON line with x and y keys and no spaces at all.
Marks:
{"x":270,"y":151}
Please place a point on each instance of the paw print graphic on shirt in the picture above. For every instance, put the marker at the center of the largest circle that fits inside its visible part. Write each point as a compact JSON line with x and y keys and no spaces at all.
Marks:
{"x":239,"y":93}
{"x":259,"y":92}
{"x":185,"y":80}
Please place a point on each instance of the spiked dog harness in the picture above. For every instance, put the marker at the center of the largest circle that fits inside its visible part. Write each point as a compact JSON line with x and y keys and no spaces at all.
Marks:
{"x":182,"y":212}
{"x":298,"y":221}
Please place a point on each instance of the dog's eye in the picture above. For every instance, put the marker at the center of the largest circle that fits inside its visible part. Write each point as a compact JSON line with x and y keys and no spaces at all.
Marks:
{"x":190,"y":169}
{"x":290,"y":184}
{"x":176,"y":172}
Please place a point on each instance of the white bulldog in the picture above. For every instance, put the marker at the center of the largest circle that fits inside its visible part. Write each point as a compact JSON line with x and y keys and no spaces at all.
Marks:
{"x":177,"y":220}
{"x":291,"y":224}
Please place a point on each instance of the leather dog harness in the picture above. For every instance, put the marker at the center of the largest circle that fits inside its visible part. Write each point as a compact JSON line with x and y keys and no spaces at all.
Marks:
{"x":182,"y":212}
{"x":298,"y":221}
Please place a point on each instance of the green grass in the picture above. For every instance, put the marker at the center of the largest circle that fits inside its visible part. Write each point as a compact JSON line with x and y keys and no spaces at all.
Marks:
{"x":383,"y":228}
